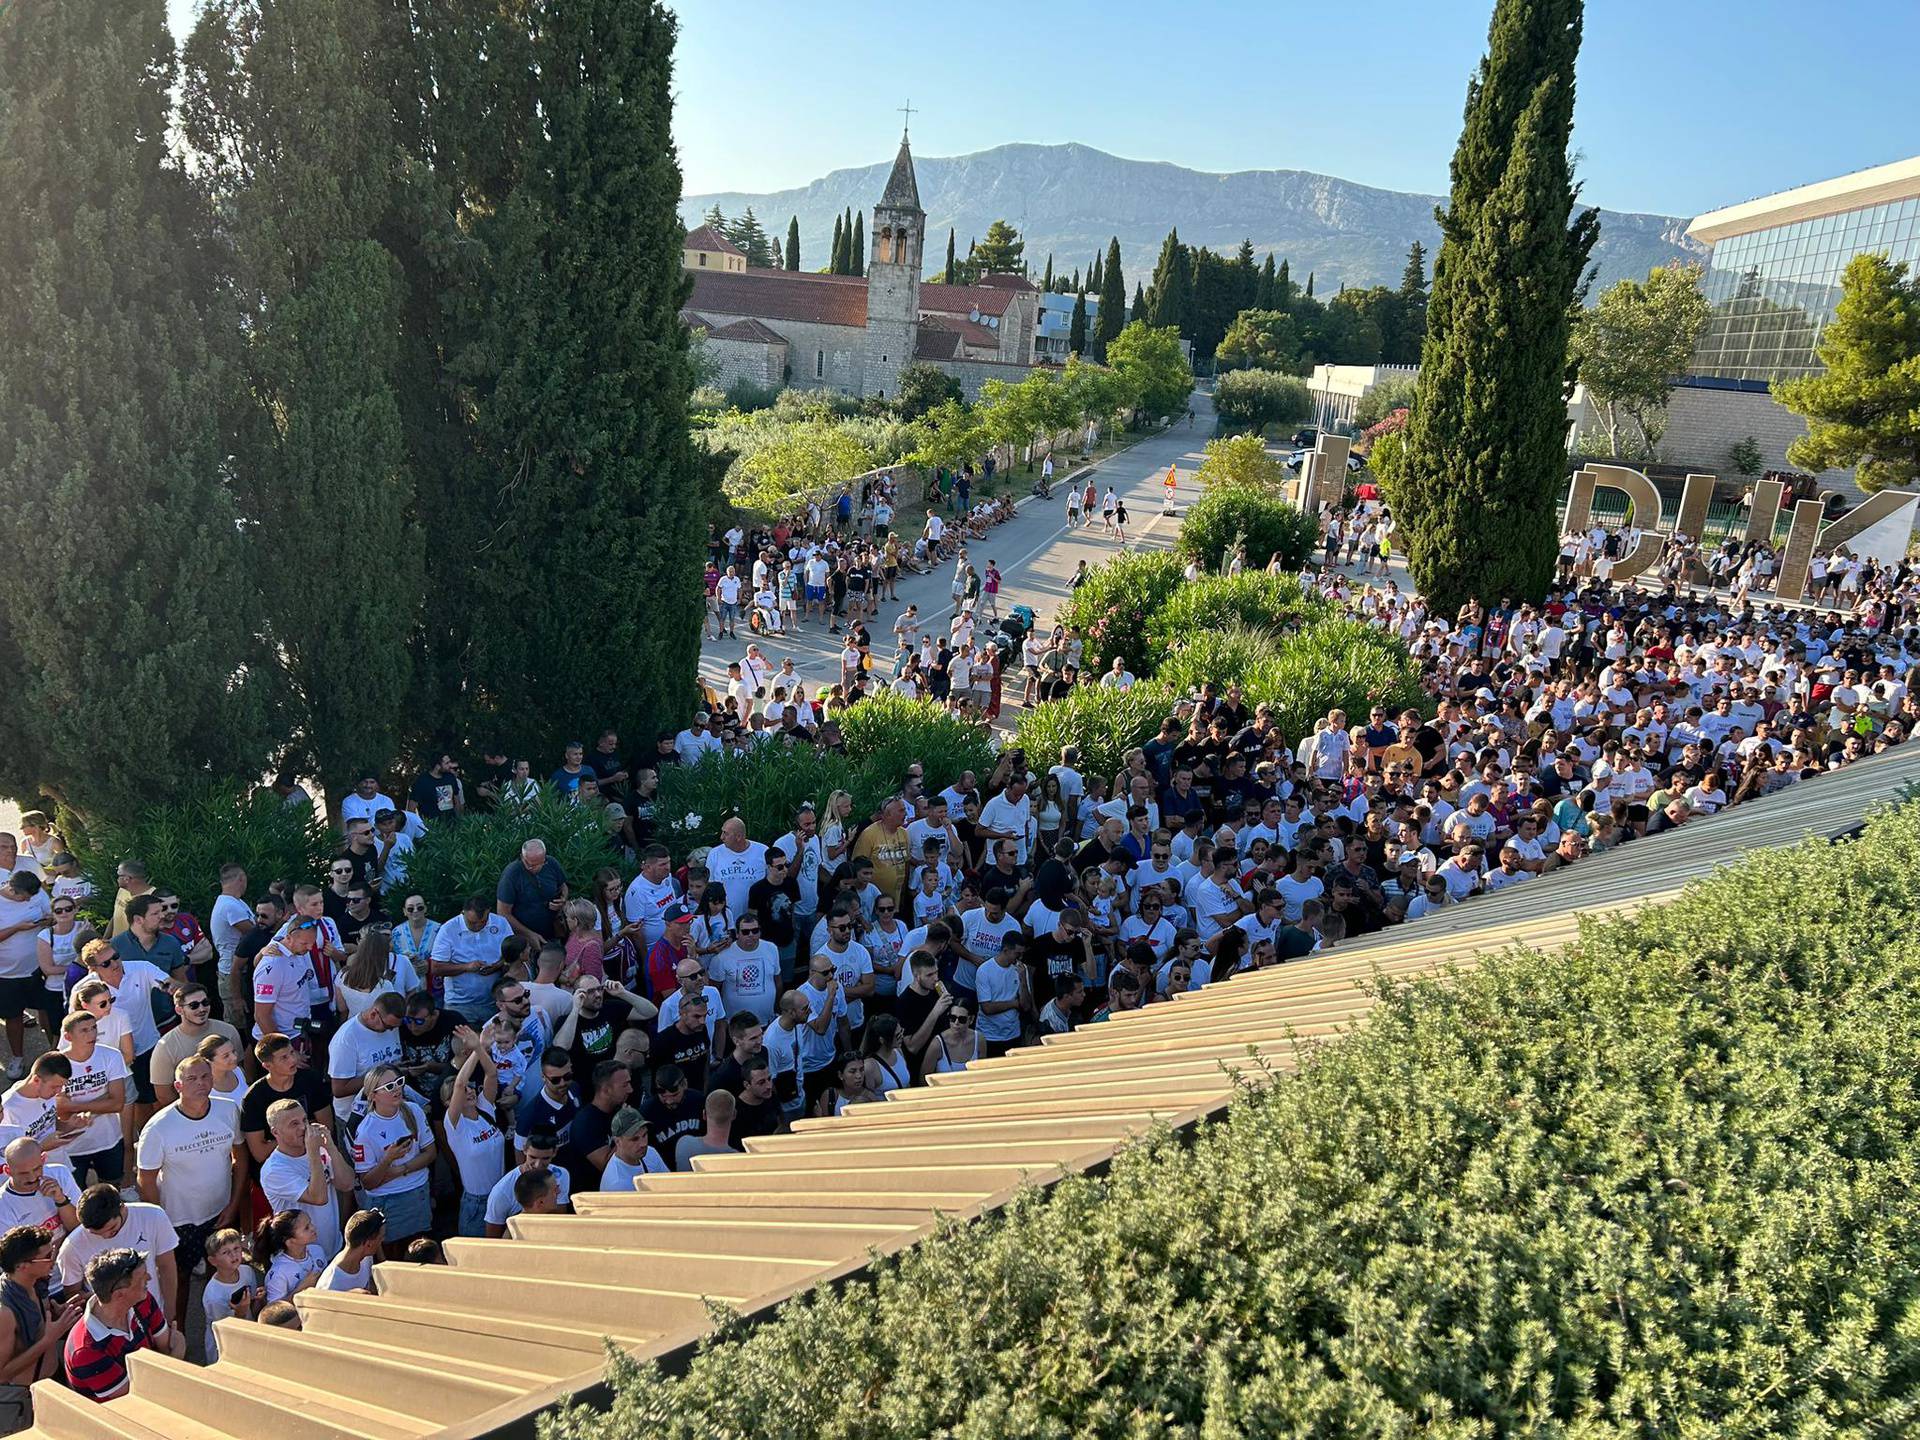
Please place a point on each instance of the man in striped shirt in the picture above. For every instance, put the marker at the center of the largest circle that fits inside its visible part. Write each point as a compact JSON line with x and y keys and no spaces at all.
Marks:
{"x":121,"y":1317}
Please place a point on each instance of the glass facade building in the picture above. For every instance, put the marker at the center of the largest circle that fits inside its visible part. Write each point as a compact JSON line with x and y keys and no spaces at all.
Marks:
{"x":1773,"y":289}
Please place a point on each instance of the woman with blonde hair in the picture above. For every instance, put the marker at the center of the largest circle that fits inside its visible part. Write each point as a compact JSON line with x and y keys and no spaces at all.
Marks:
{"x":836,"y":827}
{"x":586,"y":951}
{"x":94,"y":998}
{"x":393,"y":1153}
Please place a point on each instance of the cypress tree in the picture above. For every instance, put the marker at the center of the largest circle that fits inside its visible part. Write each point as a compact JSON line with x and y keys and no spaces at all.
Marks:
{"x":846,"y":247}
{"x":1264,"y":289}
{"x":793,"y":243}
{"x":1282,"y":288}
{"x":1485,"y":449}
{"x":1139,"y":302}
{"x":1075,"y":282}
{"x":857,"y":251}
{"x":837,"y":255}
{"x":129,"y":660}
{"x":1309,"y":284}
{"x":952,"y":277}
{"x":1046,"y":282}
{"x":587,"y":605}
{"x":1173,"y":284}
{"x":1094,"y":278}
{"x":307,"y":182}
{"x":1077,"y":328}
{"x":1411,"y":322}
{"x":1112,"y":318}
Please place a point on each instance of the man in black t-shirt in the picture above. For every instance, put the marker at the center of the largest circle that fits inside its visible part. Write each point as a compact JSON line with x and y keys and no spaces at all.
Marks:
{"x":426,"y":1043}
{"x":284,"y":1078}
{"x":437,"y":795}
{"x":686,"y":1044}
{"x":775,"y":899}
{"x":589,"y":1139}
{"x":757,"y":1110}
{"x":601,"y":1010}
{"x":676,"y":1109}
{"x":1058,"y":954}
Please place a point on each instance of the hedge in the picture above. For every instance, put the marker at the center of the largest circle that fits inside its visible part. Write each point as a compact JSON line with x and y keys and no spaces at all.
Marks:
{"x":1661,"y":1183}
{"x":767,"y":785}
{"x":1263,"y":523}
{"x":1329,"y":665}
{"x":1253,"y":598}
{"x":185,"y":843}
{"x":1111,"y":608}
{"x":1104,"y":723}
{"x":465,"y":857}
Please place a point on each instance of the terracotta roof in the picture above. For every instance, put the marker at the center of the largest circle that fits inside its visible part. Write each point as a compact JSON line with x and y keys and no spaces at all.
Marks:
{"x":708,"y":238}
{"x":750,"y":331}
{"x":1007,"y":281}
{"x":782,"y":295}
{"x":929,"y":344}
{"x":903,"y":191}
{"x":971,"y":331}
{"x":960,"y":299}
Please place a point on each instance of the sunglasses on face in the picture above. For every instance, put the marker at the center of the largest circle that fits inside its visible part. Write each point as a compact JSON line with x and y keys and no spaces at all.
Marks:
{"x":960,"y":1017}
{"x":201,"y":1004}
{"x":63,"y":909}
{"x":386,"y":1087}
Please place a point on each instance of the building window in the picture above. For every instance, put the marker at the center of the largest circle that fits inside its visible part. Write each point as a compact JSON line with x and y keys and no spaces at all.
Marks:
{"x":703,"y":258}
{"x":819,"y":364}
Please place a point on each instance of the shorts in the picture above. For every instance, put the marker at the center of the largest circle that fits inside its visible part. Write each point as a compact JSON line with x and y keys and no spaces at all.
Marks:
{"x":190,"y":1247}
{"x":143,"y":1079}
{"x":19,"y":994}
{"x":729,"y":612}
{"x":409,"y":1212}
{"x":816,"y":594}
{"x":107,"y":1165}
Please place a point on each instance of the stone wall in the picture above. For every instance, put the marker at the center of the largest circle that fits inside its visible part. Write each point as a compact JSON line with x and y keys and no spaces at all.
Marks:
{"x":973,"y":374}
{"x":759,"y":364}
{"x":1703,"y":424}
{"x":843,"y":346}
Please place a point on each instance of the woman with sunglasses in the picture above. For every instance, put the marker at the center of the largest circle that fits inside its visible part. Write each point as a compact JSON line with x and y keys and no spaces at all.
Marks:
{"x":113,"y":1029}
{"x":413,"y":936}
{"x":393,"y":1152}
{"x":59,"y":950}
{"x":957,"y":1046}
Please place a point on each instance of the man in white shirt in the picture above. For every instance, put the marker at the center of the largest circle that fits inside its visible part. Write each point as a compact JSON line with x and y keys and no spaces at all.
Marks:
{"x":108,"y":1222}
{"x":230,"y":922}
{"x":24,"y":911}
{"x":305,"y":1171}
{"x":366,"y":801}
{"x":1009,"y":816}
{"x":282,"y":981}
{"x":1001,"y":984}
{"x":1119,"y":677}
{"x":370,"y":1038}
{"x":736,"y":864}
{"x":748,"y":971}
{"x":466,"y":954}
{"x":696,"y":740}
{"x":192,"y":1164}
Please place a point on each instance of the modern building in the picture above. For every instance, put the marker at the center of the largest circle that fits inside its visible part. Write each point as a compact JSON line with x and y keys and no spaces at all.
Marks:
{"x":1337,"y":390}
{"x":1773,"y":282}
{"x":855,"y":333}
{"x":1056,"y":326}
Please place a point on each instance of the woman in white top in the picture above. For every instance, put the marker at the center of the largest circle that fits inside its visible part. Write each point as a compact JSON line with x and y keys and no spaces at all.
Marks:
{"x":373,"y":969}
{"x":93,"y":996}
{"x":955,"y":1047}
{"x":474,"y":1137}
{"x":836,"y":834}
{"x":712,"y":930}
{"x":393,"y":1151}
{"x":59,"y":947}
{"x":886,"y":1063}
{"x":224,"y":1056}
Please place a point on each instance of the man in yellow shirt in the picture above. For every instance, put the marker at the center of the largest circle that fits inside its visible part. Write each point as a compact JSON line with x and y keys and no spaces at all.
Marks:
{"x":887,"y":844}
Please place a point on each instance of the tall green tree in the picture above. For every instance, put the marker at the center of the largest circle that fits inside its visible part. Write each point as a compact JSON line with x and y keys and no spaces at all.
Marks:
{"x":1172,"y":285}
{"x":588,"y":601}
{"x":1629,"y":348}
{"x":1046,"y":281}
{"x":1486,"y":454}
{"x":1283,"y":289}
{"x":130,"y":661}
{"x":1265,"y":288}
{"x":1095,"y":277}
{"x":1002,"y":252}
{"x":1864,"y":410}
{"x":857,"y":252}
{"x":837,"y":253}
{"x":1140,"y":306}
{"x":1246,"y":277}
{"x":1112,"y":315}
{"x":1309,"y":289}
{"x":1077,"y":327}
{"x":1155,"y":374}
{"x":751,"y":236}
{"x":952,"y":275}
{"x":793,"y":242}
{"x":304,"y":162}
{"x":714,"y":218}
{"x":1402,"y":346}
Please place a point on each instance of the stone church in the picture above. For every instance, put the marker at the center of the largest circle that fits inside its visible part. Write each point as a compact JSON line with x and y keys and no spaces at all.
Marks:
{"x":856,"y":333}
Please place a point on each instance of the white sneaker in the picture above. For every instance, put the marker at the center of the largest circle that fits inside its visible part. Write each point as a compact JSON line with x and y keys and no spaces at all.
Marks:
{"x":16,"y":1068}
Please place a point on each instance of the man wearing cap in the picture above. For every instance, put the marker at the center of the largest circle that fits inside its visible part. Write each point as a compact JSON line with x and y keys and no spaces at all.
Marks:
{"x":632,"y":1156}
{"x":665,"y":955}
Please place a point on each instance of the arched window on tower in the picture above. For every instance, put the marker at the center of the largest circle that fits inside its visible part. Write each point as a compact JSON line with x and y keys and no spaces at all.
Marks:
{"x":883,"y":244}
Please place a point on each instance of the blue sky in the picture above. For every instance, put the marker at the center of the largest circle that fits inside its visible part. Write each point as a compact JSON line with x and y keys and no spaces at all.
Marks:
{"x":1683,"y":107}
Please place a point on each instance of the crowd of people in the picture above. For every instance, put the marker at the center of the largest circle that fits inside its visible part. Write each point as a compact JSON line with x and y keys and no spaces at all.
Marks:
{"x":325,"y":1071}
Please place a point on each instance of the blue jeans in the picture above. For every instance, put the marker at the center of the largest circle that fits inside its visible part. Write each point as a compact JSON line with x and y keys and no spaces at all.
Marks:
{"x":473,"y":1215}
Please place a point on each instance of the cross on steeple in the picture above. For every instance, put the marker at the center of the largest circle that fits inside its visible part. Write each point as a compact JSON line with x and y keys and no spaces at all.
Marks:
{"x":906,"y":110}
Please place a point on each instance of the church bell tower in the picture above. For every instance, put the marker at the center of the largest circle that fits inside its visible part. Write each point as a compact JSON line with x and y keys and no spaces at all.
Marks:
{"x":896,"y":236}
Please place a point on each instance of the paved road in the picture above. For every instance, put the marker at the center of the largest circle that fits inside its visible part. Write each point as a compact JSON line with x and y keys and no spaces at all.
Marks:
{"x":1036,"y":553}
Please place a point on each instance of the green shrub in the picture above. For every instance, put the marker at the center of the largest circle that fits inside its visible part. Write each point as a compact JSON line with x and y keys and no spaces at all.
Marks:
{"x":1253,"y":597}
{"x":1111,"y":609}
{"x":1230,"y":514}
{"x":1328,"y":665}
{"x":1255,"y":398}
{"x":888,"y":732}
{"x":1104,"y":723}
{"x":187,"y":841}
{"x":451,"y":862}
{"x":1661,"y":1183}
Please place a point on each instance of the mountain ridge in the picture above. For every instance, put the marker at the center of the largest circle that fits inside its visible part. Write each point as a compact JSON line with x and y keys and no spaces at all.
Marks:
{"x":1072,"y":197}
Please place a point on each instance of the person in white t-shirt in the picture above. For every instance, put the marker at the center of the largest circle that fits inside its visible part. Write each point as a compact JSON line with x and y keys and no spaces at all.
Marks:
{"x":393,"y":1152}
{"x":475,"y":1140}
{"x":736,"y":863}
{"x":305,"y":1171}
{"x":231,"y":921}
{"x":632,"y":1156}
{"x":283,"y":981}
{"x":352,"y":1268}
{"x":747,"y":972}
{"x":99,"y":1088}
{"x":369,"y":1039}
{"x":37,"y":1192}
{"x":502,"y":1204}
{"x":192,"y":1163}
{"x":108,"y":1222}
{"x":233,"y":1289}
{"x":650,"y":894}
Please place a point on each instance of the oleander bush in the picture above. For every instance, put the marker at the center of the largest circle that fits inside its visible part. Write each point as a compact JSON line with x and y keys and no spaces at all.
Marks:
{"x":1659,"y":1183}
{"x":187,"y":840}
{"x":452,"y":861}
{"x":1113,"y":606}
{"x":1104,"y":723}
{"x":1254,"y":598}
{"x":887,"y":732}
{"x":1227,"y":515}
